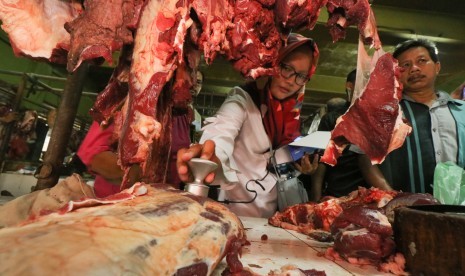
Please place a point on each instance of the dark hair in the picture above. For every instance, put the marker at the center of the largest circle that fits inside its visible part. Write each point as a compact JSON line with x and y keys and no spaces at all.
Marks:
{"x":412,"y":43}
{"x":351,"y":76}
{"x":336,"y":104}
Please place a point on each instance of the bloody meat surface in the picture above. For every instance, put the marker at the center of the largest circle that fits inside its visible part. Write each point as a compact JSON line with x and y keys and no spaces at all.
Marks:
{"x":374,"y":121}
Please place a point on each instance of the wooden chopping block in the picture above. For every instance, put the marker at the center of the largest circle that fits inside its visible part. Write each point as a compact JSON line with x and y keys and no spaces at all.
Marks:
{"x":432,"y":238}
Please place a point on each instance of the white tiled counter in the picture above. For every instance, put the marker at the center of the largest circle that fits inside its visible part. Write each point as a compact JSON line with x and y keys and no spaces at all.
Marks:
{"x":283,"y":247}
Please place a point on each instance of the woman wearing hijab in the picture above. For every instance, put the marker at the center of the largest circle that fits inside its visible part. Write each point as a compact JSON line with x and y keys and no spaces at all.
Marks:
{"x":255,"y":119}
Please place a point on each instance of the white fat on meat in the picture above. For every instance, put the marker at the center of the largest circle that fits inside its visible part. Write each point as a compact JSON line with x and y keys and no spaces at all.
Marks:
{"x":184,"y":24}
{"x":381,"y":219}
{"x":355,"y":233}
{"x":146,"y":129}
{"x":47,"y":18}
{"x":163,"y":232}
{"x":149,"y":56}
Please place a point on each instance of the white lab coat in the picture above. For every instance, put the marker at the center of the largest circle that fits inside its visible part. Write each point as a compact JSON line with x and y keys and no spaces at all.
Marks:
{"x":243,"y":147}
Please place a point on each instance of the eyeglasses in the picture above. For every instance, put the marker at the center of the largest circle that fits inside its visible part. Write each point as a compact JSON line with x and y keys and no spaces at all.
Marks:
{"x":287,"y":71}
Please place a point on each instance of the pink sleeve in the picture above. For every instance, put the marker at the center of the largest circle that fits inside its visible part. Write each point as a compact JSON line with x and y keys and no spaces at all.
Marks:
{"x":96,"y":141}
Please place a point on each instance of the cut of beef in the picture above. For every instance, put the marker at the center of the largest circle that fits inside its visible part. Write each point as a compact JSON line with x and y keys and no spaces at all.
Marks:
{"x":215,"y":18}
{"x":157,"y":52}
{"x":109,"y":101}
{"x":248,"y":33}
{"x":362,"y":217}
{"x":100,"y":30}
{"x":140,"y":231}
{"x":407,"y":199}
{"x":297,"y":217}
{"x":361,"y":243}
{"x":254,"y":40}
{"x":374,"y":121}
{"x":343,"y":13}
{"x":298,"y":14}
{"x":360,"y":232}
{"x":35,"y":27}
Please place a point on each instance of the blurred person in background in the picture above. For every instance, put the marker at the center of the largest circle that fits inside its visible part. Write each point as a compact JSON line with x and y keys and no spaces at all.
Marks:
{"x":345,"y":176}
{"x":459,"y":92}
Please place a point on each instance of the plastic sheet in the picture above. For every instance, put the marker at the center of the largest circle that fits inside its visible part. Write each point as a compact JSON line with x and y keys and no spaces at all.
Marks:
{"x":449,"y":183}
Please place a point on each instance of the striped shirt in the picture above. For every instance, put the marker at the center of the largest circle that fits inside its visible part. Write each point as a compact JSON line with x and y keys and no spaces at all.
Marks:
{"x":433,"y":139}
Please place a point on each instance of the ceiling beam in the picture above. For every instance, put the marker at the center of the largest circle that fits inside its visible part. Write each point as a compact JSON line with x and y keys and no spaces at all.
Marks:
{"x":409,"y":23}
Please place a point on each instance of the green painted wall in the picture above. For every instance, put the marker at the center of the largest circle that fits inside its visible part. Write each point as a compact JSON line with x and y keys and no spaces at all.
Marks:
{"x":35,"y":96}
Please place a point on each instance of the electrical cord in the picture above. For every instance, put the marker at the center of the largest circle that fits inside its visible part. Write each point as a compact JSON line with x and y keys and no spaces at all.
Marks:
{"x":226,"y":201}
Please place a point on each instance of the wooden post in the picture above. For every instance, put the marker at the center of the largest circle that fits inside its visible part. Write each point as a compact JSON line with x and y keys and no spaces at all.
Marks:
{"x":49,"y":172}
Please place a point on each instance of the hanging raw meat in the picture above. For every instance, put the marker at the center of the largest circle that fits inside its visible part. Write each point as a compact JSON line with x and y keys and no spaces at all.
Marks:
{"x":296,"y":14}
{"x":99,"y":30}
{"x":36,"y":27}
{"x":169,"y":35}
{"x":110,"y":100}
{"x":373,"y":122}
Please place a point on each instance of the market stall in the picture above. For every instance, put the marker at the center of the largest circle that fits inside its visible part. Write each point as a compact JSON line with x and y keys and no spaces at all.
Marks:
{"x":150,"y":229}
{"x":272,"y":248}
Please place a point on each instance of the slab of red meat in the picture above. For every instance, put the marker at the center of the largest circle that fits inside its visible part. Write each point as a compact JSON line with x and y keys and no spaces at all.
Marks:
{"x":344,"y":13}
{"x":326,"y":212}
{"x":215,"y":18}
{"x":372,"y":197}
{"x":298,"y":14}
{"x":362,"y":232}
{"x":254,"y":39}
{"x":157,"y":51}
{"x":407,"y":199}
{"x":297,"y":217}
{"x":35,"y":27}
{"x":100,"y":30}
{"x":146,"y":230}
{"x":374,"y":121}
{"x":109,"y":101}
{"x":308,"y":216}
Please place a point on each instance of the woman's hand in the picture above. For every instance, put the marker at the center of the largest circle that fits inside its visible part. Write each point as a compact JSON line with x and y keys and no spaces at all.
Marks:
{"x":205,"y":151}
{"x":305,"y":166}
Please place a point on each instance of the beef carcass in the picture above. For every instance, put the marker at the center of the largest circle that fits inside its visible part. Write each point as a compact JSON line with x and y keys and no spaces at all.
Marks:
{"x":36,"y":28}
{"x":295,"y":14}
{"x":141,"y":231}
{"x":344,"y":13}
{"x":374,"y":121}
{"x":100,"y":30}
{"x":254,"y":40}
{"x":225,"y":27}
{"x":157,"y":52}
{"x":110,"y":100}
{"x":215,"y":17}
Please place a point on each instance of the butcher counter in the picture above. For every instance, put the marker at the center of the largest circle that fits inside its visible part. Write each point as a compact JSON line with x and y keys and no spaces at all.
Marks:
{"x":282,"y":247}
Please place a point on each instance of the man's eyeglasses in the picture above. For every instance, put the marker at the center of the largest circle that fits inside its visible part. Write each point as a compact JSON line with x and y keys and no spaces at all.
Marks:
{"x":287,"y":71}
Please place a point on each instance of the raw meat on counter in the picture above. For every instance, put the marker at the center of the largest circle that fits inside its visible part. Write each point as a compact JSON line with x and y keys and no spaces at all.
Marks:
{"x":287,"y":270}
{"x":140,"y":231}
{"x":358,"y":224}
